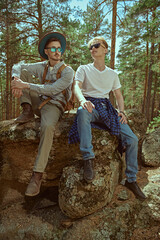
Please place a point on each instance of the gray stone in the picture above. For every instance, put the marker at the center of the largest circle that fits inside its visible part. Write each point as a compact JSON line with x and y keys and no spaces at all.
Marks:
{"x":77,"y":198}
{"x":123,"y":195}
{"x":151,"y":149}
{"x":152,"y":190}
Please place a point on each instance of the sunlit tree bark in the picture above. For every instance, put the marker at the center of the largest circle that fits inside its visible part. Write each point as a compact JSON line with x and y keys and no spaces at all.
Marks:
{"x":113,"y":42}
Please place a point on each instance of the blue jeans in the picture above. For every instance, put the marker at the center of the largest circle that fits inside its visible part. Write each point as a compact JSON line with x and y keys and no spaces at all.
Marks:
{"x":128,"y":138}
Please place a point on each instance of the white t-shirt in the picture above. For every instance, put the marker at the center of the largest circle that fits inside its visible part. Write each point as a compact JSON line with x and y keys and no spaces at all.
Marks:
{"x":97,"y":83}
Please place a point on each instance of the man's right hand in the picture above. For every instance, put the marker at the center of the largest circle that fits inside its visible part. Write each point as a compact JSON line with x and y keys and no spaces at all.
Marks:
{"x":17,"y":83}
{"x":87,"y":105}
{"x":17,"y":92}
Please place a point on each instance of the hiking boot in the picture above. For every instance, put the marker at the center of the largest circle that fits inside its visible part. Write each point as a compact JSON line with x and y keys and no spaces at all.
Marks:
{"x":133,"y":186}
{"x":33,"y":188}
{"x":88,"y":170}
{"x":26,"y":115}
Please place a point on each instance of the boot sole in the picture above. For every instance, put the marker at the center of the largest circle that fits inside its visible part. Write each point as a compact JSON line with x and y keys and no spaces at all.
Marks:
{"x":89,"y":180}
{"x":136,"y":195}
{"x":31,"y":195}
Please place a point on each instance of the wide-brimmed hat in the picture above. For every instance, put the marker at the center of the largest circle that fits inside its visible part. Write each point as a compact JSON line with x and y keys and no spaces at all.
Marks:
{"x":48,"y":36}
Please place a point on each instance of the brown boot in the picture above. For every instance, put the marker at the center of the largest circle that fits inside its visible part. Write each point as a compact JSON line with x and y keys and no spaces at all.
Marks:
{"x":133,"y":186}
{"x":35,"y":183}
{"x":88,"y":170}
{"x":27,"y":114}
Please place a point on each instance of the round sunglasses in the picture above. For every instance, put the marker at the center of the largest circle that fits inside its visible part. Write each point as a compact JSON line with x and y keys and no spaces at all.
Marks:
{"x":54,"y":49}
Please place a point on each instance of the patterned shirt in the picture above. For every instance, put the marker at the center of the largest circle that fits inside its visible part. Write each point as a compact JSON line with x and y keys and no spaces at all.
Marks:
{"x":108,"y":115}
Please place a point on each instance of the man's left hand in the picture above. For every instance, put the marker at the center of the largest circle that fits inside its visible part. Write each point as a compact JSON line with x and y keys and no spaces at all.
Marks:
{"x":123,"y":118}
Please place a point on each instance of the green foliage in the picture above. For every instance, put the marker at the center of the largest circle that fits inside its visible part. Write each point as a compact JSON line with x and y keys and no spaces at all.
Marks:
{"x":133,"y":60}
{"x":154,"y":124}
{"x":23,"y":21}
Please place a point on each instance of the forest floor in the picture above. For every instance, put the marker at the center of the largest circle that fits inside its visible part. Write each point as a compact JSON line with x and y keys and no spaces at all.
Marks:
{"x":35,"y":217}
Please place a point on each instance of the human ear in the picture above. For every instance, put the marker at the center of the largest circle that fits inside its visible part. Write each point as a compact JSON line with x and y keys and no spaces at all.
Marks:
{"x":106,"y":50}
{"x":46,"y":52}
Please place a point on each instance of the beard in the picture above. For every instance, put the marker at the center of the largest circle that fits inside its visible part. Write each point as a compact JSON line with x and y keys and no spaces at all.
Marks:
{"x":57,"y":57}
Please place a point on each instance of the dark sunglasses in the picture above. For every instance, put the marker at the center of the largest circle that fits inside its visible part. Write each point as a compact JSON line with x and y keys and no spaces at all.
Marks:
{"x":96,"y":45}
{"x":54,"y":49}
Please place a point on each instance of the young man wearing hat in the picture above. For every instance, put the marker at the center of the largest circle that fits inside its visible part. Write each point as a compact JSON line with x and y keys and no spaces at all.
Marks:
{"x":93,"y":83}
{"x":45,"y":100}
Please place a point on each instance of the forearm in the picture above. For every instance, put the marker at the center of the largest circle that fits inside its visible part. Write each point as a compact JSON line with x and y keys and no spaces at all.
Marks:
{"x":119,"y":99}
{"x":83,"y":102}
{"x":56,"y":87}
{"x":78,"y":93}
{"x":120,"y":103}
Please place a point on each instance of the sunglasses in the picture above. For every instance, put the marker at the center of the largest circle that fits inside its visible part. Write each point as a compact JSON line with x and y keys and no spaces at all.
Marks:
{"x":96,"y":45}
{"x":54,"y":49}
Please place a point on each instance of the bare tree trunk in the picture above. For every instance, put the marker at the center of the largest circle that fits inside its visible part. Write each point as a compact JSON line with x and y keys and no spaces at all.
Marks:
{"x":39,"y":6}
{"x":40,"y":30}
{"x":1,"y":115}
{"x":149,"y":86}
{"x":146,"y":78}
{"x":113,"y":42}
{"x":146,"y":83}
{"x":155,"y":88}
{"x":3,"y":106}
{"x":7,"y":62}
{"x":154,"y":96}
{"x":150,"y":76}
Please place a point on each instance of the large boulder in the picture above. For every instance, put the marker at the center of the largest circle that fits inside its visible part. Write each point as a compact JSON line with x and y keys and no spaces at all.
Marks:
{"x":19,"y":145}
{"x":151,"y":149}
{"x":77,"y":198}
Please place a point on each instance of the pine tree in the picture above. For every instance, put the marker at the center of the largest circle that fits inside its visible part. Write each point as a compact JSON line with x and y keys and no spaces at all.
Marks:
{"x":139,"y":35}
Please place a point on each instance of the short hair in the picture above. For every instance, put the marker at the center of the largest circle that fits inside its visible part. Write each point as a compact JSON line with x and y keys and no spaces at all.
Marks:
{"x":52,"y":40}
{"x":98,"y":38}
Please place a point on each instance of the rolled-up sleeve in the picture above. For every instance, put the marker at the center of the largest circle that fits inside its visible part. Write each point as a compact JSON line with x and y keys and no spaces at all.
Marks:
{"x":33,"y":68}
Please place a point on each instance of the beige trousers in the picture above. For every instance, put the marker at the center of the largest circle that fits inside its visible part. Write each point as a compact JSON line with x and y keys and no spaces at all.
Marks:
{"x":49,"y":114}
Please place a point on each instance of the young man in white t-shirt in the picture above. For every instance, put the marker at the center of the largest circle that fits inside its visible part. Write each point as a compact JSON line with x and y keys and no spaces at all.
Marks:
{"x":93,"y":83}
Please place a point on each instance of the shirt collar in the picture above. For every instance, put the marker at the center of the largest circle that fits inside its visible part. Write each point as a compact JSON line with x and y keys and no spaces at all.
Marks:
{"x":57,"y":66}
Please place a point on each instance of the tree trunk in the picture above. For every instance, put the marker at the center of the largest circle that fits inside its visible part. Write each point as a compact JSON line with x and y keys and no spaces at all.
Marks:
{"x":39,"y":7}
{"x":1,"y":115}
{"x":155,"y":90}
{"x":7,"y":62}
{"x":150,"y":75}
{"x":113,"y":42}
{"x":146,"y":78}
{"x":149,"y":85}
{"x":154,"y":96}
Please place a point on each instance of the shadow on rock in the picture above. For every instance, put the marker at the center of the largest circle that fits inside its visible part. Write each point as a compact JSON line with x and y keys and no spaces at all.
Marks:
{"x":48,"y":197}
